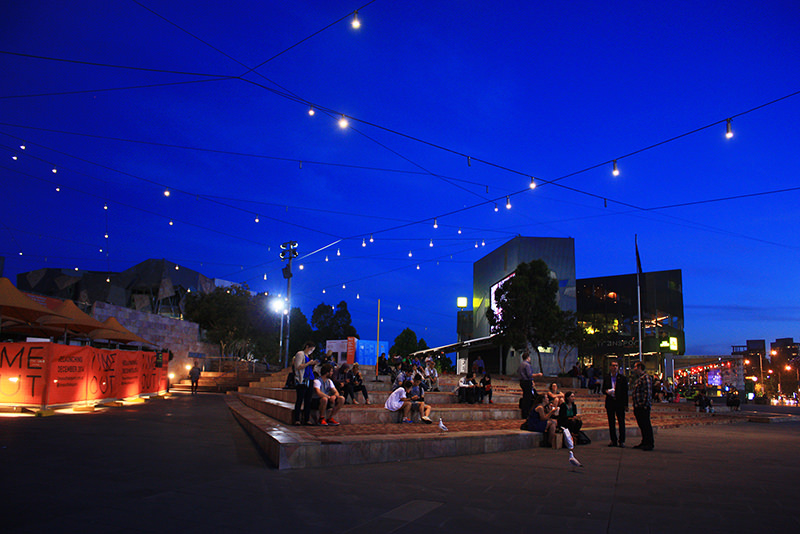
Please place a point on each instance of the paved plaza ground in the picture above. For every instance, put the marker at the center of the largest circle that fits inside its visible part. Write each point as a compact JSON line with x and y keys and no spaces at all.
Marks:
{"x":184,"y":465}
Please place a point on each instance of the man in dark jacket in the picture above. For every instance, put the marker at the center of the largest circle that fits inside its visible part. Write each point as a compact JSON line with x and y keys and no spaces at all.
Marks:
{"x":615,"y":388}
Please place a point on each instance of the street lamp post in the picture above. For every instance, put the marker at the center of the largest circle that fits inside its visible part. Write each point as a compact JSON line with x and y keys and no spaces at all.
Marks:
{"x":288,"y":252}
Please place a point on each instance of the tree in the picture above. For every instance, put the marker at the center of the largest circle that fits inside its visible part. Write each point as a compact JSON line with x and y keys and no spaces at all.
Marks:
{"x":567,"y":336}
{"x":405,"y":343}
{"x":299,"y":331}
{"x":229,"y":317}
{"x":330,"y":324}
{"x":422,"y":345}
{"x":528,"y":314}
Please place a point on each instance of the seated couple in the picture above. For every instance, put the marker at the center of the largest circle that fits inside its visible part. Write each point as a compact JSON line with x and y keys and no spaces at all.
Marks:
{"x":408,"y":397}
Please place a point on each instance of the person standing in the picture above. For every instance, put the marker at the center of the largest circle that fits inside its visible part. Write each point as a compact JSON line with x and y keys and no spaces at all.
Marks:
{"x":526,"y":377}
{"x":303,"y":367}
{"x":642,"y":401}
{"x":194,"y":377}
{"x":615,"y":388}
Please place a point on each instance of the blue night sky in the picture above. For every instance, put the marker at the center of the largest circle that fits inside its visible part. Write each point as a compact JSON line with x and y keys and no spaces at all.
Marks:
{"x":543,"y":89}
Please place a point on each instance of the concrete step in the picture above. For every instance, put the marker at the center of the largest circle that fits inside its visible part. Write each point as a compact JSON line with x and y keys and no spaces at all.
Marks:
{"x":377,"y":414}
{"x":375,"y":397}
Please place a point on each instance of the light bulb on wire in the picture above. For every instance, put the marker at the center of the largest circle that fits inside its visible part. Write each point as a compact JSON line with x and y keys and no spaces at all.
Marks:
{"x":533,"y":183}
{"x":54,"y":170}
{"x":371,"y":240}
{"x":728,"y":130}
{"x":166,"y":192}
{"x":435,"y":223}
{"x":615,"y":169}
{"x":338,"y":252}
{"x":431,"y":243}
{"x":508,"y":203}
{"x":356,"y":24}
{"x":14,"y":157}
{"x":343,"y":122}
{"x":311,"y":112}
{"x":495,"y":207}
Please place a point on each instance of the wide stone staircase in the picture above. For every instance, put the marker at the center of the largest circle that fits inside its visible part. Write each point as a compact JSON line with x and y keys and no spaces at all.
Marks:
{"x":371,"y":434}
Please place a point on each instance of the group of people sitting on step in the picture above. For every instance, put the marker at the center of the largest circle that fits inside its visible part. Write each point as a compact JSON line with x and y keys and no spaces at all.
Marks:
{"x":322,"y":386}
{"x":475,"y":386}
{"x":401,"y":369}
{"x":552,"y":410}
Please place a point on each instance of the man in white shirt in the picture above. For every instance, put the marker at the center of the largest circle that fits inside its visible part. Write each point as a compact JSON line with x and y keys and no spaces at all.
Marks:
{"x":431,"y":376}
{"x":326,"y":395}
{"x":399,"y":400}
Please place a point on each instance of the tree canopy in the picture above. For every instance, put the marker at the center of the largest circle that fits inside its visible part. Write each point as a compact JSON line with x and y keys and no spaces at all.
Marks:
{"x":528,"y":314}
{"x":236,"y":320}
{"x":406,"y":342}
{"x":332,"y":324}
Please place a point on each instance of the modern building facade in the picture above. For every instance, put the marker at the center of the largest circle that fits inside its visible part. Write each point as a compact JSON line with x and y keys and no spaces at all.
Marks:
{"x":608,"y":307}
{"x":498,"y":266}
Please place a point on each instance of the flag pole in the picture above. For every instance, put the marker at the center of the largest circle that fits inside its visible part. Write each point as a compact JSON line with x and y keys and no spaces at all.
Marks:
{"x":639,"y":290}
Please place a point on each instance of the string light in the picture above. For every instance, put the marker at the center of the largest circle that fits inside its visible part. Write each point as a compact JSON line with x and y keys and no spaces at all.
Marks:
{"x":615,"y":170}
{"x":358,"y":296}
{"x":343,"y":286}
{"x":495,"y":207}
{"x":343,"y":122}
{"x":459,"y":230}
{"x":105,"y":206}
{"x":177,"y":268}
{"x":54,"y":170}
{"x":257,"y":220}
{"x":265,"y":276}
{"x":302,"y":266}
{"x":533,"y":183}
{"x":483,"y":243}
{"x":14,"y":157}
{"x":105,"y":236}
{"x":417,"y":264}
{"x":326,"y":258}
{"x":409,"y":254}
{"x":728,"y":131}
{"x":338,"y":252}
{"x":363,"y":242}
{"x":356,"y":24}
{"x":435,"y":223}
{"x":370,"y":239}
{"x":469,"y":161}
{"x":22,"y":146}
{"x":311,"y":112}
{"x":58,"y":189}
{"x":166,"y":192}
{"x":508,"y":203}
{"x":476,"y":244}
{"x":398,"y":306}
{"x":431,"y":243}
{"x":323,"y":291}
{"x":20,"y":253}
{"x":170,"y":223}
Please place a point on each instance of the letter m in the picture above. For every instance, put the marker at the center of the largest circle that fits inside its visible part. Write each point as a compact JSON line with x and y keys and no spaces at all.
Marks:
{"x":4,"y":357}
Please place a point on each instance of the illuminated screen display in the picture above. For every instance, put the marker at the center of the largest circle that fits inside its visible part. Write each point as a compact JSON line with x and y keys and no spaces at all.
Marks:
{"x":714,"y":377}
{"x":494,"y":288}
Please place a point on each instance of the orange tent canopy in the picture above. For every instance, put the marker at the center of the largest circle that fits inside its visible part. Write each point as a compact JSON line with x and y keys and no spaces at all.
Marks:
{"x":16,"y":306}
{"x":74,"y":319}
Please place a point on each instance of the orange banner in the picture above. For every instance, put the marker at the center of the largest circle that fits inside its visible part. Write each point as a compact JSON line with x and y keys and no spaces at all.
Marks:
{"x":23,"y":372}
{"x":42,"y":374}
{"x":66,"y":381}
